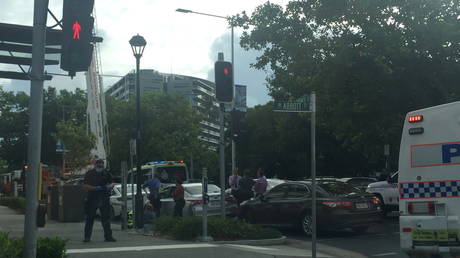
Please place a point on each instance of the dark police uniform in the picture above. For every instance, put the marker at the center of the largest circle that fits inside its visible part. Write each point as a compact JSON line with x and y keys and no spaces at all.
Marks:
{"x":98,"y":199}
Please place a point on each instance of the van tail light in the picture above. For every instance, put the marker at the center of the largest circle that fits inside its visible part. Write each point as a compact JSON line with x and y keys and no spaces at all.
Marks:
{"x":415,"y":119}
{"x":421,"y":208}
{"x":195,"y":202}
{"x":376,"y":201}
{"x":336,"y":204}
{"x":407,"y":230}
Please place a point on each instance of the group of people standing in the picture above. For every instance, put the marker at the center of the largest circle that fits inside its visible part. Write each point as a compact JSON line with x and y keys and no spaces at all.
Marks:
{"x":244,"y":188}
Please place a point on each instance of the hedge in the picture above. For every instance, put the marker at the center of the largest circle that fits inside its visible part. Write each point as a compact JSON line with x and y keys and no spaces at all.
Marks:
{"x":16,"y":203}
{"x":46,"y":247}
{"x":189,"y":228}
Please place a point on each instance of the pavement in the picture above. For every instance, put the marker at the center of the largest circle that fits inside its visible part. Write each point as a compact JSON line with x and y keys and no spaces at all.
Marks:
{"x":132,"y":244}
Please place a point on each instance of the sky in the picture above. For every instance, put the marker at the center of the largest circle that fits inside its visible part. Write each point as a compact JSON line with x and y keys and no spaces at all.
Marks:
{"x":179,"y":43}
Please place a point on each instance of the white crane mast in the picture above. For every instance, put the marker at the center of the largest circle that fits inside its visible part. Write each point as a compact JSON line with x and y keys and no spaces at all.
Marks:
{"x":96,"y":112}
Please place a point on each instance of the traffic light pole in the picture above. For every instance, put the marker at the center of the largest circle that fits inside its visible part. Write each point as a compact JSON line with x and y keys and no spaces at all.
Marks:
{"x":233,"y":102}
{"x":222,"y":160}
{"x":35,"y":126}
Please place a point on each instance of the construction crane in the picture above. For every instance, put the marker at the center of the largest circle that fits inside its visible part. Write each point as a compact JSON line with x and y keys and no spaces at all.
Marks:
{"x":96,"y":110}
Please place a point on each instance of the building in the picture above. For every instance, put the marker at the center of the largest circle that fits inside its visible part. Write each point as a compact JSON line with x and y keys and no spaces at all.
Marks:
{"x":199,"y":92}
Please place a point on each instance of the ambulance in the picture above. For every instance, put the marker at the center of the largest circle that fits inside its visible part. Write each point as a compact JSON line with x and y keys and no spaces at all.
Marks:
{"x":429,"y":182}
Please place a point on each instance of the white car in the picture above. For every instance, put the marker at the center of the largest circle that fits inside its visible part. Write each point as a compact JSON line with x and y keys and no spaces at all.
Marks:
{"x":387,"y":191}
{"x":194,"y":201}
{"x":116,"y":200}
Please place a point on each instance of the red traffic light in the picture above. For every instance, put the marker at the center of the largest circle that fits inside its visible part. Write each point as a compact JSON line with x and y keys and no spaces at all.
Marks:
{"x":226,"y":71}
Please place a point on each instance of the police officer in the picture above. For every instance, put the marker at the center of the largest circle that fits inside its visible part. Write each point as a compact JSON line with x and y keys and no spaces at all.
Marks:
{"x":98,"y":183}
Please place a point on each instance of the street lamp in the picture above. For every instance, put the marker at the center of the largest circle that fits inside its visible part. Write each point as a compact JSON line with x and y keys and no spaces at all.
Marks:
{"x":222,"y":177}
{"x":137,"y":45}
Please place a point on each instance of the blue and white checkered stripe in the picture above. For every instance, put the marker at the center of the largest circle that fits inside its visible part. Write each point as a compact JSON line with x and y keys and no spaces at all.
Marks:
{"x":420,"y":190}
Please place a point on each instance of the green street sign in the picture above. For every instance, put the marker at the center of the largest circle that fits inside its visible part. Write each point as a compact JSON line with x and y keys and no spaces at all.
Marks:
{"x":300,"y":105}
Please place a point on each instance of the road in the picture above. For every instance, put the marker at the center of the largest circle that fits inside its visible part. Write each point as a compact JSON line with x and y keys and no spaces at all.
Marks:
{"x":379,"y":241}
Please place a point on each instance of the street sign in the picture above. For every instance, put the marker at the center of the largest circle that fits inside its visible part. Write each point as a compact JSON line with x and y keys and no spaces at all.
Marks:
{"x":299,"y":105}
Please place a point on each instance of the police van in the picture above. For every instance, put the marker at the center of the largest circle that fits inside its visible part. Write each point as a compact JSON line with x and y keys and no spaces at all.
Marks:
{"x":429,"y":181}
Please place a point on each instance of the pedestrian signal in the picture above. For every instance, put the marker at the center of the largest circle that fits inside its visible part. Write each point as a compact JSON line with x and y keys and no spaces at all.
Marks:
{"x":77,"y":28}
{"x":224,"y":81}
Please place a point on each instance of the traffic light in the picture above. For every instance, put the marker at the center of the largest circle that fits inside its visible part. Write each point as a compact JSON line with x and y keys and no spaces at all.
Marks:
{"x":224,"y":81}
{"x":77,"y":28}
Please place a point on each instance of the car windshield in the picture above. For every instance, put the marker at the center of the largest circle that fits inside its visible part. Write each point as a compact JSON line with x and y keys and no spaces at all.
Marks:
{"x":198,"y":189}
{"x":337,"y":188}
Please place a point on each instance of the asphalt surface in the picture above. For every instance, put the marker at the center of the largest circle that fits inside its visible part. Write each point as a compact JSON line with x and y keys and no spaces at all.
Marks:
{"x":381,"y":240}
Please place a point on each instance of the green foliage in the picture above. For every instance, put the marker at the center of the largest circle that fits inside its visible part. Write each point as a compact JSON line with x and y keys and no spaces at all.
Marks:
{"x":47,"y":247}
{"x":10,"y":248}
{"x":370,"y":62}
{"x":77,"y":141}
{"x":189,"y":228}
{"x":51,"y":247}
{"x":169,"y":128}
{"x":164,"y":224}
{"x":57,"y":106}
{"x":14,"y":126}
{"x":15,"y":203}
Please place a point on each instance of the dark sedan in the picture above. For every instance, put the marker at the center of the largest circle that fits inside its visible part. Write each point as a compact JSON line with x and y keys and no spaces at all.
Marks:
{"x":339,"y":206}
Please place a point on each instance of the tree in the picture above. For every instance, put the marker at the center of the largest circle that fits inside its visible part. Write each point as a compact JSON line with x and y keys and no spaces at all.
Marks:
{"x":13,"y":128}
{"x":370,"y":62}
{"x":77,"y":143}
{"x":169,"y":127}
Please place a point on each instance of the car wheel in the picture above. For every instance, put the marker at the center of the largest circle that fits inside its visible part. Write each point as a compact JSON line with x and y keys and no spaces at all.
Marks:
{"x":307,"y":224}
{"x":360,"y":230}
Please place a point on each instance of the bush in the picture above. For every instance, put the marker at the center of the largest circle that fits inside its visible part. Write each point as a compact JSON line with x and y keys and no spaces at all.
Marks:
{"x":46,"y":247}
{"x":16,"y":203}
{"x":190,"y":228}
{"x":164,"y":224}
{"x":10,"y":248}
{"x":187,"y":228}
{"x":51,"y":247}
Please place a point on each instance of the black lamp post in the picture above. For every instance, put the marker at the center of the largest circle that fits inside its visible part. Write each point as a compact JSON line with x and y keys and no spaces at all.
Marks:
{"x":138,"y":44}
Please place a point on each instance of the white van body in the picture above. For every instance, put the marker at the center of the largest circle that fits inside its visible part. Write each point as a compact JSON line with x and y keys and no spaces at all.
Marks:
{"x":429,"y":181}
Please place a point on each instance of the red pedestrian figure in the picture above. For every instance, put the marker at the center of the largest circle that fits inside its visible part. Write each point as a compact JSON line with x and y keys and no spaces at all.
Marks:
{"x":76,"y":30}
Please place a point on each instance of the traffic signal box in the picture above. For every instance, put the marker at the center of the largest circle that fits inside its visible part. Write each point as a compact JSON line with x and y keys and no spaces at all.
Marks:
{"x":224,"y":81}
{"x":77,"y":47}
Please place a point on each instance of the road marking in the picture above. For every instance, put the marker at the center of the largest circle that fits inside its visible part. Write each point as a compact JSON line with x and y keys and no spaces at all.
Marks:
{"x":384,"y":254}
{"x":252,"y":247}
{"x":137,"y":248}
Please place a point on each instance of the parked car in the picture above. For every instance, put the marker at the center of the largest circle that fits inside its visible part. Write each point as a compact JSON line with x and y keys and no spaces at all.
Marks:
{"x":387,"y":191}
{"x":271,"y":182}
{"x":359,"y":182}
{"x":339,"y":206}
{"x":194,"y":200}
{"x":116,"y":200}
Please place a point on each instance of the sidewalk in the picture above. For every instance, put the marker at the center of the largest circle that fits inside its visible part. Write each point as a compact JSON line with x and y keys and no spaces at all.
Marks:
{"x":12,"y":222}
{"x":129,"y":240}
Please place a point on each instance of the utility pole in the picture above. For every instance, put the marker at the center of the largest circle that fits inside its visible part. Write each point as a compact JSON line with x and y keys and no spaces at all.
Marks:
{"x":35,"y":126}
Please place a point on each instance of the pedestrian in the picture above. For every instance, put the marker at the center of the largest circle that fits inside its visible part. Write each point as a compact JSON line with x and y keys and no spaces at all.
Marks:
{"x":149,"y":217}
{"x":260,"y":187}
{"x":234,"y":182}
{"x":245,"y":187}
{"x":98,"y":183}
{"x":154,"y":185}
{"x":179,"y":200}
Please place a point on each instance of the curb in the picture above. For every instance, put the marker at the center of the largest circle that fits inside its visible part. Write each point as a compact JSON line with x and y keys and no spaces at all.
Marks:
{"x":258,"y":242}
